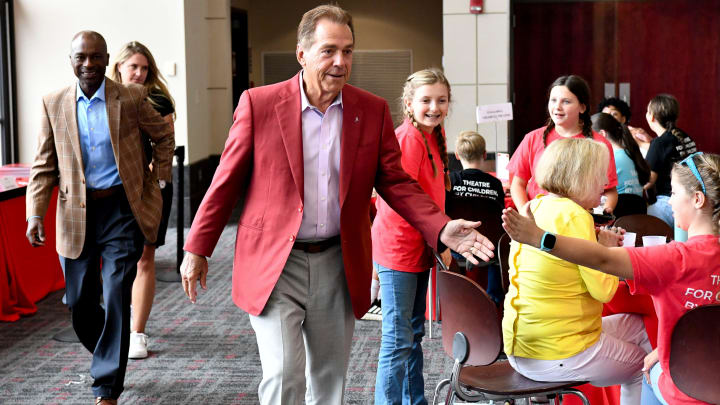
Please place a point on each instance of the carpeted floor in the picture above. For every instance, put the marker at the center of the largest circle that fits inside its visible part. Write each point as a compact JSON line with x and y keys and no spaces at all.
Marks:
{"x":200,"y":354}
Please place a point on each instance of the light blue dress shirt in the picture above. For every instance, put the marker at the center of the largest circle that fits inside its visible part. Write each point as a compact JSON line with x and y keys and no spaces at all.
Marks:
{"x":100,"y":168}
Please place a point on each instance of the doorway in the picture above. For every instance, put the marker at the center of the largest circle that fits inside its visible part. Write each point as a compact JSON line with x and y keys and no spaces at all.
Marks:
{"x":240,"y":52}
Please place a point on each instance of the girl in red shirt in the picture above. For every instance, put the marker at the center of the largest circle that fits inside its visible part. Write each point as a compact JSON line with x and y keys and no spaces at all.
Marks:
{"x":679,"y":275}
{"x":569,"y":117}
{"x":401,"y":257}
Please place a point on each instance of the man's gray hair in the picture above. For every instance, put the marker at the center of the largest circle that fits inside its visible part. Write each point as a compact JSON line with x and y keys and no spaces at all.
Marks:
{"x":306,"y":29}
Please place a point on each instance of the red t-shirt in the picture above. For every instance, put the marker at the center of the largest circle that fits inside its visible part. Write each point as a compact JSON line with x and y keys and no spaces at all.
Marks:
{"x":527,"y":155}
{"x":678,"y":276}
{"x":395,"y":243}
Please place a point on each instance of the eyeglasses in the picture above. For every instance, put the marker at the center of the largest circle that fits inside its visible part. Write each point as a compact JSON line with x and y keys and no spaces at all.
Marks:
{"x":690,"y":163}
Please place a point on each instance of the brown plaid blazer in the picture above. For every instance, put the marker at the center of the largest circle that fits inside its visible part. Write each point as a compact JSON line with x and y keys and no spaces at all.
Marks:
{"x":58,"y":161}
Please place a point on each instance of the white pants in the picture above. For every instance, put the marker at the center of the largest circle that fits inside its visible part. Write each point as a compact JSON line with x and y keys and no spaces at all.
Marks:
{"x":616,"y":358}
{"x":304,"y":334}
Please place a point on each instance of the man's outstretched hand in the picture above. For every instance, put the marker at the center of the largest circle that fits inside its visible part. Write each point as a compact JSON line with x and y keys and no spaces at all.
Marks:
{"x":460,"y":235}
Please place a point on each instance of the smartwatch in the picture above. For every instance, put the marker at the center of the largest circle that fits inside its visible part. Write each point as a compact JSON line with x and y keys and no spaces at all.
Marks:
{"x":547,"y":243}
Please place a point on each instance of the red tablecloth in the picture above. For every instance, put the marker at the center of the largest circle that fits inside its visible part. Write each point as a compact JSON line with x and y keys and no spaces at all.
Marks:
{"x":622,"y":302}
{"x":27,"y":274}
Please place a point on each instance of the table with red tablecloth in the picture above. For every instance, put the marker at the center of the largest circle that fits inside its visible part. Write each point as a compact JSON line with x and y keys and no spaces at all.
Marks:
{"x":622,"y":302}
{"x":27,"y":274}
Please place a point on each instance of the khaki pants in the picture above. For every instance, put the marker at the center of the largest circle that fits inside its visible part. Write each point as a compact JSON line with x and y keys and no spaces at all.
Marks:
{"x":304,"y":334}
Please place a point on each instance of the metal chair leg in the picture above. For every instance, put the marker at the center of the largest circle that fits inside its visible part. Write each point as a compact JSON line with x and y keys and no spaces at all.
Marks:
{"x":437,"y":295}
{"x":429,"y":301}
{"x":450,"y":398}
{"x":577,"y":393}
{"x":439,"y":387}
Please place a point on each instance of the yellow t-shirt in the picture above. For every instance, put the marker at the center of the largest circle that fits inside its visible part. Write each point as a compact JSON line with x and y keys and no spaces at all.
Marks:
{"x":553,"y":308}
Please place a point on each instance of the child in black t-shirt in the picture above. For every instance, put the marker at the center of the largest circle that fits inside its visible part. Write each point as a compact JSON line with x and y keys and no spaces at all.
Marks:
{"x":474,"y":185}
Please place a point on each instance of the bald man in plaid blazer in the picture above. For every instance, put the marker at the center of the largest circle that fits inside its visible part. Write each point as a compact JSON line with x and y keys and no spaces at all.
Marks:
{"x":109,"y":201}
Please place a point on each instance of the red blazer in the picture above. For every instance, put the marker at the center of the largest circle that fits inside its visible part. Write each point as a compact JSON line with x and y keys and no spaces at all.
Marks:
{"x":262,"y":164}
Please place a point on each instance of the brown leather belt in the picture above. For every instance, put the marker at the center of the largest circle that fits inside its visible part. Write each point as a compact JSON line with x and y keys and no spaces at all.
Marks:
{"x":105,"y":193}
{"x":317,"y":247}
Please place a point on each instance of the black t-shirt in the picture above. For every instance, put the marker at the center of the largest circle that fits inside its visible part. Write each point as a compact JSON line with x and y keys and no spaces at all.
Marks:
{"x":664,"y":152}
{"x":164,"y":106}
{"x":474,"y":184}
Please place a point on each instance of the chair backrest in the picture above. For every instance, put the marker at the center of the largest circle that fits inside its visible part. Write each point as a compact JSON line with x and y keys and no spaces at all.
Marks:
{"x":695,"y":353}
{"x":468,"y":309}
{"x":630,"y":204}
{"x":503,"y":252}
{"x":645,"y":225}
{"x":483,"y":210}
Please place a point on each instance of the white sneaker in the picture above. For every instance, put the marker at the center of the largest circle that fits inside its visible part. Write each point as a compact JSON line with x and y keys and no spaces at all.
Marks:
{"x":138,"y":346}
{"x":374,"y":313}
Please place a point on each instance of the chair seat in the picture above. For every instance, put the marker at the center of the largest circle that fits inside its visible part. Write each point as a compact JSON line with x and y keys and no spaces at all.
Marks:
{"x":500,"y":378}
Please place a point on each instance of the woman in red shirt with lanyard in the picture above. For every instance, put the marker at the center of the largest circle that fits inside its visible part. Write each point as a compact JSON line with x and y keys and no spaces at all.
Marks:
{"x":401,"y":257}
{"x":569,"y":117}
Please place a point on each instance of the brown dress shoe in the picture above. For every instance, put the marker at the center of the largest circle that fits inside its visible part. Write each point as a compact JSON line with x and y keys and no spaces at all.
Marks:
{"x":105,"y":401}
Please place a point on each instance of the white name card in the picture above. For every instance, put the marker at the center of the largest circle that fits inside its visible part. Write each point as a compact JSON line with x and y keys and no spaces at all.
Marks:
{"x":501,"y":163}
{"x":494,"y":112}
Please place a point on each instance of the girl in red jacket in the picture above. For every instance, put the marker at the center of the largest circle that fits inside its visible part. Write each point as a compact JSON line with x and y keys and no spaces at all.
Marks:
{"x":401,"y":257}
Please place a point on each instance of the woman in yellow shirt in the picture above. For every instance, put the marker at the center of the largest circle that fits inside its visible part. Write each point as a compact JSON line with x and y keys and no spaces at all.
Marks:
{"x":553,"y":329}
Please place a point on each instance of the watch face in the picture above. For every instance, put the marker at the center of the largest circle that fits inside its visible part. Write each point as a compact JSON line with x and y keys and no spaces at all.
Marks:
{"x":548,"y":242}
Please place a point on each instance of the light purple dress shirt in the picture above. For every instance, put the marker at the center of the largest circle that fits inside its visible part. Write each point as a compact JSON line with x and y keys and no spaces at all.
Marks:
{"x":321,"y":155}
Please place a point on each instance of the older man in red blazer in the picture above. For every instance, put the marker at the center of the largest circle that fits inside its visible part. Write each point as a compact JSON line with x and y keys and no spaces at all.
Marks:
{"x":304,"y":156}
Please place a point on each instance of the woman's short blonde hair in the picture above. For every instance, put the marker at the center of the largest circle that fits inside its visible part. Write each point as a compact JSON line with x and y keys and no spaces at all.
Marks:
{"x":573,"y":168}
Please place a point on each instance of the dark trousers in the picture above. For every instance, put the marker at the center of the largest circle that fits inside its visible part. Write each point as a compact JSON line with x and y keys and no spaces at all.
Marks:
{"x":113,"y":240}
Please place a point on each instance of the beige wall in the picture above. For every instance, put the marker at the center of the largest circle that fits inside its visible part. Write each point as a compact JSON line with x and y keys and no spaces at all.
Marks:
{"x":379,"y":24}
{"x":477,"y":63}
{"x":209,"y":78}
{"x":43,"y":30}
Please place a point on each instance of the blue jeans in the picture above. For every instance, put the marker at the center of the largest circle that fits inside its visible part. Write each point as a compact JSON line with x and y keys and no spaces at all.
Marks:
{"x":651,"y":393}
{"x":662,"y":209}
{"x":399,"y":375}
